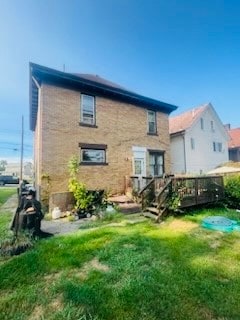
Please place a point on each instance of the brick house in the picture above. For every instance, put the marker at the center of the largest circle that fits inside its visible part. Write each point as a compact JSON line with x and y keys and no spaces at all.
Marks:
{"x":115,"y":133}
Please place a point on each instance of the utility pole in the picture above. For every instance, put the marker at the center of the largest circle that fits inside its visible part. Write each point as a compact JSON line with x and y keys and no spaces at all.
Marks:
{"x":21,"y":157}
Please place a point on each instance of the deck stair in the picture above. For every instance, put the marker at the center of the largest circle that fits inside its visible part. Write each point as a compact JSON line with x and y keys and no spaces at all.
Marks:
{"x":125,"y":204}
{"x":158,"y":206}
{"x":188,"y":191}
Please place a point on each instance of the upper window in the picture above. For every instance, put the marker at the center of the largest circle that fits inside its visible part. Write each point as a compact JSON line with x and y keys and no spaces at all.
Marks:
{"x":152,"y":123}
{"x":212,"y":125}
{"x":87,"y":109}
{"x":192,"y":143}
{"x":202,"y":123}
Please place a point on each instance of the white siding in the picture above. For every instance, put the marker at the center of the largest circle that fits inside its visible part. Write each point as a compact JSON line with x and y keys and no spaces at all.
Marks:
{"x":177,"y":154}
{"x":199,"y":154}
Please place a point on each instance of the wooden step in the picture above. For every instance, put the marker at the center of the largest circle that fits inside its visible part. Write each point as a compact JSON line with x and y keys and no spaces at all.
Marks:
{"x":149,"y":215}
{"x":154,"y":204}
{"x":153,"y":210}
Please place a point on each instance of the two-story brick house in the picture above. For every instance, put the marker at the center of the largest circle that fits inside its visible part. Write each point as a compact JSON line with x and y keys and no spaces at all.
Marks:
{"x":115,"y":133}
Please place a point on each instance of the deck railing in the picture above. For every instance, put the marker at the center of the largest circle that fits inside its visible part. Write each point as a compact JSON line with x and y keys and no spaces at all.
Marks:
{"x":191,"y":190}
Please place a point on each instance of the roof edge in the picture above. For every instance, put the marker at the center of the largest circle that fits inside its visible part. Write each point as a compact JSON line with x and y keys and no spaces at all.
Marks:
{"x":132,"y":97}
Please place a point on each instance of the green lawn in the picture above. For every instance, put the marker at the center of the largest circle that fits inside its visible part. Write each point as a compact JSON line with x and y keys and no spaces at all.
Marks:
{"x":142,"y":271}
{"x":5,"y":217}
{"x":5,"y":193}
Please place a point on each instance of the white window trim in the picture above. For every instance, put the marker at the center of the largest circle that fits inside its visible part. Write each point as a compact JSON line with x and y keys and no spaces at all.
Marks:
{"x":155,"y":121}
{"x":94,"y":109}
{"x":89,"y":162}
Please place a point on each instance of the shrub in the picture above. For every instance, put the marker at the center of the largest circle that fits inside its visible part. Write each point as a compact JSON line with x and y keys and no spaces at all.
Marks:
{"x":232,"y":191}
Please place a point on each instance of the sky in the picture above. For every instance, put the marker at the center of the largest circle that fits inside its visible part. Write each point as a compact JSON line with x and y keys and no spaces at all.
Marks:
{"x":185,"y":53}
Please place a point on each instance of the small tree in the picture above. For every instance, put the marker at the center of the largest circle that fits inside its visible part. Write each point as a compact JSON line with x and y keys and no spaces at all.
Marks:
{"x":82,"y":197}
{"x":3,"y":164}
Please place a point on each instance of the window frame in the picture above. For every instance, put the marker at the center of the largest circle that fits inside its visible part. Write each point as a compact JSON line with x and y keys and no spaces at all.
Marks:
{"x":93,"y":147}
{"x":192,"y":143}
{"x":212,"y":126}
{"x":155,"y":122}
{"x":82,"y":121}
{"x":156,"y":153}
{"x":217,"y":147}
{"x":202,"y":123}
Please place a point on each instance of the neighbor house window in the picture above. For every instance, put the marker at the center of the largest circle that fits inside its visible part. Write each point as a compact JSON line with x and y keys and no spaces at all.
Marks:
{"x":152,"y":123}
{"x":212,"y":126}
{"x":202,"y":123}
{"x":217,"y":146}
{"x":214,"y":146}
{"x":192,"y":144}
{"x":87,"y":109}
{"x":93,"y":153}
{"x":156,"y":163}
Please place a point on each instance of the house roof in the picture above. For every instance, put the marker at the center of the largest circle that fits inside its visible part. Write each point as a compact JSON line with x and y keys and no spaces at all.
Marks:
{"x":88,"y":83}
{"x":98,"y":79}
{"x":185,"y":120}
{"x":234,"y":141}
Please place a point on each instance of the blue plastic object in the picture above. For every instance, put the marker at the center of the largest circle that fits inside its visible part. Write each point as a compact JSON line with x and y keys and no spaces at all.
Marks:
{"x":220,"y":223}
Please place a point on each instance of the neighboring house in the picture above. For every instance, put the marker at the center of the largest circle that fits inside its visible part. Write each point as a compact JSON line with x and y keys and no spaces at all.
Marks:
{"x":13,"y":169}
{"x":234,"y":144}
{"x":199,"y":141}
{"x":114,"y":132}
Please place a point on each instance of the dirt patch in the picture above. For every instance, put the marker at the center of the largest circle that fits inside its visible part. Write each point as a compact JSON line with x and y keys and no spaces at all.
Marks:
{"x":214,"y":245}
{"x":52,"y":276}
{"x":37,"y":313}
{"x":56,"y":304}
{"x":94,"y":264}
{"x":182,"y":226}
{"x":129,"y":245}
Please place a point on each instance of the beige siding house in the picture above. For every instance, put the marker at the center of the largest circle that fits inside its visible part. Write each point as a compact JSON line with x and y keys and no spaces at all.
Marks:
{"x":115,"y":133}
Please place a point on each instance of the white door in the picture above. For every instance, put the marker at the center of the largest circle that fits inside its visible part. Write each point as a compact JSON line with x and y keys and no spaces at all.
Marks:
{"x":139,"y":165}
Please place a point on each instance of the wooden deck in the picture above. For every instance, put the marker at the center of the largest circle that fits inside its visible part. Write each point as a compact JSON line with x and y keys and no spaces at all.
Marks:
{"x":190,"y":191}
{"x":198,"y":190}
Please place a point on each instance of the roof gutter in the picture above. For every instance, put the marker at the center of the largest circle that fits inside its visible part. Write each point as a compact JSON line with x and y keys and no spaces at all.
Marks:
{"x":94,"y":85}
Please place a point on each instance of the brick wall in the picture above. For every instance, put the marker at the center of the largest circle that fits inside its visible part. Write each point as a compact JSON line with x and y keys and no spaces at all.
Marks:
{"x":119,"y":125}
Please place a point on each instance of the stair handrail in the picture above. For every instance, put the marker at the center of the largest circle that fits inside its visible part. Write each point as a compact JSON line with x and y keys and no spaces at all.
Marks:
{"x":164,"y":188}
{"x":146,"y":187}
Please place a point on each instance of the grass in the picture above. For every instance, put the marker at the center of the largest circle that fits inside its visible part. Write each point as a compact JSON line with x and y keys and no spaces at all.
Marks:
{"x":175,"y":270}
{"x":5,"y":193}
{"x":5,"y":217}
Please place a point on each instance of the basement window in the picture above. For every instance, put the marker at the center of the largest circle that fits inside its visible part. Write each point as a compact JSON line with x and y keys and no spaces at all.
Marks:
{"x":93,"y":154}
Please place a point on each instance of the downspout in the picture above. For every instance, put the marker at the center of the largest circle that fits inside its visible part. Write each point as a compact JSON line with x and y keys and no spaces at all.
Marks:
{"x":184,"y":153}
{"x":36,"y":167}
{"x":36,"y":83}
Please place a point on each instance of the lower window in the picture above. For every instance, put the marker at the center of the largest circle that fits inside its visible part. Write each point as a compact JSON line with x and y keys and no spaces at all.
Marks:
{"x":93,"y":154}
{"x":156,"y":163}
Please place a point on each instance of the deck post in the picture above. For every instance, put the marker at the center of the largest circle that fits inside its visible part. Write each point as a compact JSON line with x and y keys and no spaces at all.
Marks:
{"x":196,"y":191}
